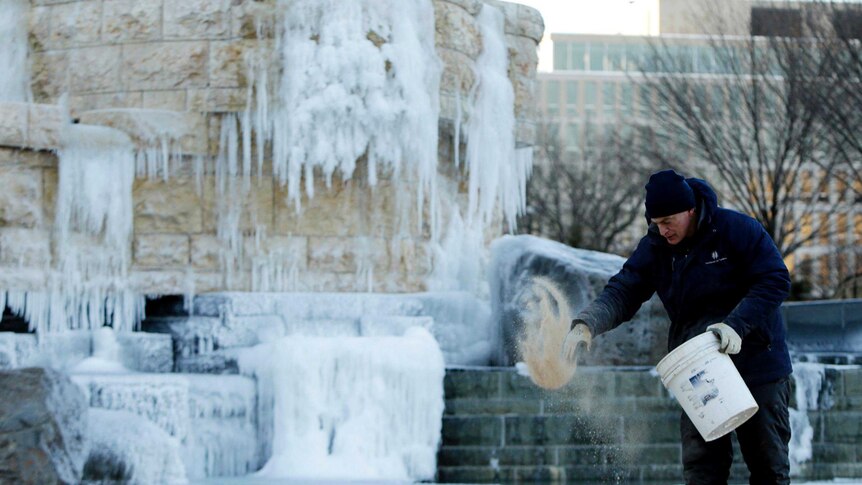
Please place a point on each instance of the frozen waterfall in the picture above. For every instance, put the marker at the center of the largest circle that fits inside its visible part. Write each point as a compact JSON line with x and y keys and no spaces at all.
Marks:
{"x":351,"y":408}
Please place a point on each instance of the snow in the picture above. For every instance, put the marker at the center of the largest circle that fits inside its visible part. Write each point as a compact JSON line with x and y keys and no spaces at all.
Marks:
{"x":106,"y":355}
{"x":351,"y":408}
{"x":15,"y":75}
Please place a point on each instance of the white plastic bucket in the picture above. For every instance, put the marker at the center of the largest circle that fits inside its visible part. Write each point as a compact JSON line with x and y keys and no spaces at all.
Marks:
{"x":707,"y":385}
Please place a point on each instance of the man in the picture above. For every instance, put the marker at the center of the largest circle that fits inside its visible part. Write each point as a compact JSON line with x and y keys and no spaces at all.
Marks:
{"x":715,"y":270}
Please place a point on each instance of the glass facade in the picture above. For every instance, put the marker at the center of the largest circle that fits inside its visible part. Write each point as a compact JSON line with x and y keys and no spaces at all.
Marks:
{"x":631,"y":55}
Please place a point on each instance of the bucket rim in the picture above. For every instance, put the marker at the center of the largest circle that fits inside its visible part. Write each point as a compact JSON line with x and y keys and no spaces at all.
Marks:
{"x":673,"y":360}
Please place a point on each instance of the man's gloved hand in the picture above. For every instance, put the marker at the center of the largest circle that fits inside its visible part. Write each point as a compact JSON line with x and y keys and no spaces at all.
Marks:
{"x":579,"y":335}
{"x":731,"y":342}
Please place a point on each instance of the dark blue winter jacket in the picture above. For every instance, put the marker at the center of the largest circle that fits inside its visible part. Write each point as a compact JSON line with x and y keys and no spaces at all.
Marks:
{"x":730,"y":271}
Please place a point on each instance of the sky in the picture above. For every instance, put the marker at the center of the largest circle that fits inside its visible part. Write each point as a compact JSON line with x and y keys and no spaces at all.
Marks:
{"x":631,"y":17}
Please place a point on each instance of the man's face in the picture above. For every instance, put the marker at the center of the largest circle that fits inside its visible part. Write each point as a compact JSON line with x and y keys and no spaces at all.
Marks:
{"x":676,"y":227}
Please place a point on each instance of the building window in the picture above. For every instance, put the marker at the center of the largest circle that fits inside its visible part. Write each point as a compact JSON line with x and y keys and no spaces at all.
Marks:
{"x":597,"y":56}
{"x":609,"y":98}
{"x":579,"y":56}
{"x":591,"y":94}
{"x":561,"y":50}
{"x":841,"y":229}
{"x":553,"y":93}
{"x":776,"y":22}
{"x":573,"y":137}
{"x":626,"y":98}
{"x":571,"y":99}
{"x":824,"y":229}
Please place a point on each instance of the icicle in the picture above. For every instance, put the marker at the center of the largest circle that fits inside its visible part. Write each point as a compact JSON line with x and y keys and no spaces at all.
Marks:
{"x":809,"y":381}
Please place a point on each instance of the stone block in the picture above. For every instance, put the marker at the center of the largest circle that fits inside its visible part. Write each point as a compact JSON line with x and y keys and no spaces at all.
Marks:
{"x":43,"y":422}
{"x":214,"y":363}
{"x":161,"y":250}
{"x":13,"y":124}
{"x":498,"y":407}
{"x":45,"y":126}
{"x":150,"y":128}
{"x":467,"y":474}
{"x":79,"y":103}
{"x":562,"y":430}
{"x":842,"y":427}
{"x":456,"y":29}
{"x":519,"y":386}
{"x":347,"y":255}
{"x":227,"y":65}
{"x":132,"y":20}
{"x":255,"y":206}
{"x":143,"y":65}
{"x":172,"y":100}
{"x":205,"y":251}
{"x":217,"y":100}
{"x":172,"y":206}
{"x":48,"y":78}
{"x":197,"y":19}
{"x":25,"y":247}
{"x":853,"y":382}
{"x":208,"y":282}
{"x":21,"y":197}
{"x":247,"y":15}
{"x":75,"y":23}
{"x":638,"y":384}
{"x":458,"y":78}
{"x":161,"y":282}
{"x":473,"y":431}
{"x":40,"y":27}
{"x":333,"y":211}
{"x":95,"y":69}
{"x":651,"y":428}
{"x":50,"y":181}
{"x":472,"y":384}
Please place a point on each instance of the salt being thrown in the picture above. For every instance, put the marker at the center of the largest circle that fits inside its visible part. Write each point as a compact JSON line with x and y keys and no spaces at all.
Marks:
{"x":546,"y":318}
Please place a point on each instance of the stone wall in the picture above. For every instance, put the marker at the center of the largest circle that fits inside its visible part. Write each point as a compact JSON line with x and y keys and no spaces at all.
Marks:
{"x":115,"y":61}
{"x":613,"y":425}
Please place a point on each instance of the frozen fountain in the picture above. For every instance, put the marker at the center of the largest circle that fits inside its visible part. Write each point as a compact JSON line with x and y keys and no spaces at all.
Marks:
{"x":291,"y":171}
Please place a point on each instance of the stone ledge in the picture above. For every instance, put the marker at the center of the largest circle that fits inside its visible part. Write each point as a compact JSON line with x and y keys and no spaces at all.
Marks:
{"x":148,"y":128}
{"x":28,"y":125}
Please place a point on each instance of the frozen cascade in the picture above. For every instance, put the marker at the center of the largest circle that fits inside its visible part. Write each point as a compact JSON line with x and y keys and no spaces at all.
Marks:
{"x":351,"y":408}
{"x":498,"y":172}
{"x":15,"y":75}
{"x":106,"y":355}
{"x":359,"y":79}
{"x":88,"y":283}
{"x":809,"y":380}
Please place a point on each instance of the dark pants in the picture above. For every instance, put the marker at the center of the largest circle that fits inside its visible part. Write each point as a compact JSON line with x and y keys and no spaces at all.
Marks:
{"x":762,"y":439}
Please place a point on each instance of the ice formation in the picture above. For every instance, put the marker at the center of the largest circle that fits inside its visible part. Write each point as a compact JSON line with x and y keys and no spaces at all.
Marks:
{"x":105,"y":358}
{"x":130,"y":449}
{"x":87,"y":284}
{"x":809,"y":380}
{"x":15,"y":74}
{"x":497,"y":172}
{"x":351,"y":408}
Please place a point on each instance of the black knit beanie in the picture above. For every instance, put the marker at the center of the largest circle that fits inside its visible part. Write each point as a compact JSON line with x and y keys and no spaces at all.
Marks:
{"x":667,"y":193}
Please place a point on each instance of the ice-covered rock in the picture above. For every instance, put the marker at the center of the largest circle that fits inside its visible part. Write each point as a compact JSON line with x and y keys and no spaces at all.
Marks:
{"x":581,"y":275}
{"x":127,"y":448}
{"x":43,"y":422}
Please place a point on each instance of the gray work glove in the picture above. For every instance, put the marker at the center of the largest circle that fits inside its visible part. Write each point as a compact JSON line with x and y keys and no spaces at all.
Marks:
{"x":578,"y":336}
{"x":731,"y":342}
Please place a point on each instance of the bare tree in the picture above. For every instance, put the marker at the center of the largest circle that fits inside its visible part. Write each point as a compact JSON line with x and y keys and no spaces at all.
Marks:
{"x":590,"y":199}
{"x":751,"y":117}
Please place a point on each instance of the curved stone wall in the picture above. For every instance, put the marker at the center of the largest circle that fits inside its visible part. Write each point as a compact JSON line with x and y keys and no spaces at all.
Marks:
{"x":133,"y":65}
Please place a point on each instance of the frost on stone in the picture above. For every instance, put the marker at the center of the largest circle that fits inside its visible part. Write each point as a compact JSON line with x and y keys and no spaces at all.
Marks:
{"x":15,"y":73}
{"x":350,"y":408}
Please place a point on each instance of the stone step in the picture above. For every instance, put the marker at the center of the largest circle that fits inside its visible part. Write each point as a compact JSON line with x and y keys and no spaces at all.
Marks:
{"x":576,"y":474}
{"x":563,"y":455}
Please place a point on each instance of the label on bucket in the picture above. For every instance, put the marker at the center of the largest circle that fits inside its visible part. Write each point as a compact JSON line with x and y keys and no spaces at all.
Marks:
{"x":704,"y":389}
